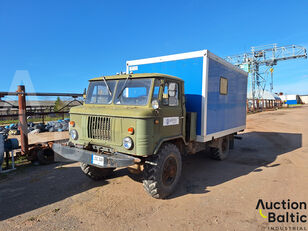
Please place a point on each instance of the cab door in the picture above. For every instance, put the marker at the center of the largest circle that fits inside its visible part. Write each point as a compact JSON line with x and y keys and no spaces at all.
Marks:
{"x":171,"y":112}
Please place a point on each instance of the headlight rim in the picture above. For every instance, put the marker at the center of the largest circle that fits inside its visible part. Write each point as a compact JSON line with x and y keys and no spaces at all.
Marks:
{"x":125,"y":139}
{"x":72,"y":133}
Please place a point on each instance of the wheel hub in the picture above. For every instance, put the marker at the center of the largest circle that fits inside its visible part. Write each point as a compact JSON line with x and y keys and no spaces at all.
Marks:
{"x":169,"y":171}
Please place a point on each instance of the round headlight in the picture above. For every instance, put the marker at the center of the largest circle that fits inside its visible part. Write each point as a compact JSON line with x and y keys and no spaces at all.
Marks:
{"x":74,"y":134}
{"x":127,"y":142}
{"x":155,"y":104}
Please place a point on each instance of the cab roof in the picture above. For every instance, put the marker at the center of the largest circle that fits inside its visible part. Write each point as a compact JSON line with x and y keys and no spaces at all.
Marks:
{"x":143,"y":75}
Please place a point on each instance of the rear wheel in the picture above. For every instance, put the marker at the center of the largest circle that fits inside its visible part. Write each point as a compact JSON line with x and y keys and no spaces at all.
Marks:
{"x":96,"y":173}
{"x":222,"y":150}
{"x":163,"y":173}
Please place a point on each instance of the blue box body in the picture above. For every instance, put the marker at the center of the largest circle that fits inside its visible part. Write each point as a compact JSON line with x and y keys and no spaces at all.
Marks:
{"x":217,"y":114}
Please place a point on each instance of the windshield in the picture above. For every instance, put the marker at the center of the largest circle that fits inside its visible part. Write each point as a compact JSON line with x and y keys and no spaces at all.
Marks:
{"x":98,"y":92}
{"x":133,"y":92}
{"x":126,"y":92}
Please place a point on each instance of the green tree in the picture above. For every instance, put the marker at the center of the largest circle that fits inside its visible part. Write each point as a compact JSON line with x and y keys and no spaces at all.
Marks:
{"x":58,"y":104}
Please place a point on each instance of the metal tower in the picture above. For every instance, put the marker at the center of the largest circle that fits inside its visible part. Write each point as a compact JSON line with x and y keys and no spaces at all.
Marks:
{"x":260,"y":62}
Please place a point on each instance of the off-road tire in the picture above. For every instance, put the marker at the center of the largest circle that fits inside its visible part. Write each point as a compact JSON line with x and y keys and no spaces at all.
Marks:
{"x":96,"y":173}
{"x":163,"y":171}
{"x":222,"y":150}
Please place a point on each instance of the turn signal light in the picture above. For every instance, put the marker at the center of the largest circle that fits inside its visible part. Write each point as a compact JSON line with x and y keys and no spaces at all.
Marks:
{"x":131,"y":131}
{"x":72,"y":123}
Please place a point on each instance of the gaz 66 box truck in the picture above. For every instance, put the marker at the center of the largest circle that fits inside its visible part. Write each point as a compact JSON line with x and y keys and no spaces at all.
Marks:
{"x":161,"y":109}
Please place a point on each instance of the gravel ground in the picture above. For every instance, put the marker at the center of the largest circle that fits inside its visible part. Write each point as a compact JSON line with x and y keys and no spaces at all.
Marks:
{"x":269,"y":163}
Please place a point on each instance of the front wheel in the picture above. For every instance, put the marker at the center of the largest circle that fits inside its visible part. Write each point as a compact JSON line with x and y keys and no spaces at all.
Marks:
{"x":96,"y":173}
{"x":163,"y":171}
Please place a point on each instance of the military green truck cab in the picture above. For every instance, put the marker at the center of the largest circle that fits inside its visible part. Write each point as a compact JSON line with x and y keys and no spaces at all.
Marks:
{"x":129,"y":114}
{"x":130,"y":120}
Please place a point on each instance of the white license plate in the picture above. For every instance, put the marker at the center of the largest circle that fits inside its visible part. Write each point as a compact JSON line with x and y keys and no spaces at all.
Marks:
{"x":98,"y":160}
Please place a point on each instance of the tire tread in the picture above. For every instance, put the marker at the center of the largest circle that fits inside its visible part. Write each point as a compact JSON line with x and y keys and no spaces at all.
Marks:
{"x":152,"y":182}
{"x":96,"y":173}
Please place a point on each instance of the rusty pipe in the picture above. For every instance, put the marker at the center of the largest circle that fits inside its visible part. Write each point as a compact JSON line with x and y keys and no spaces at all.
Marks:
{"x":23,"y":126}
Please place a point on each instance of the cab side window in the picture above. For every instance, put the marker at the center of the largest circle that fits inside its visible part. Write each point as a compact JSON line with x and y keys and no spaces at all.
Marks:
{"x":171,"y":94}
{"x":156,"y":89}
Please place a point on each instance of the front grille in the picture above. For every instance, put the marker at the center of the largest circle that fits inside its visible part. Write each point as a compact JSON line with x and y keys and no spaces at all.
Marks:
{"x":99,"y":127}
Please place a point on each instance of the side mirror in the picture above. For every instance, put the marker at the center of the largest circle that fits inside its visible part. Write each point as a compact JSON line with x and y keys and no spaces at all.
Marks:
{"x":172,"y":89}
{"x":172,"y":86}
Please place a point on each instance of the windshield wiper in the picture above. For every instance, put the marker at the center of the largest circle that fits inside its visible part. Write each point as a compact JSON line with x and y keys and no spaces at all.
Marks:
{"x":123,"y":88}
{"x":110,"y":93}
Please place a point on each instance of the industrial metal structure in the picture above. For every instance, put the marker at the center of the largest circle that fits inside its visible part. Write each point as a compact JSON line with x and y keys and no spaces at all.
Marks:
{"x":39,"y":108}
{"x":23,"y":112}
{"x":260,"y":61}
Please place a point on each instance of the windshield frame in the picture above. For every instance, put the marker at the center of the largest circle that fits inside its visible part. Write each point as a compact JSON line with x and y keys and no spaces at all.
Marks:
{"x":101,"y":83}
{"x":133,"y":92}
{"x":115,"y":91}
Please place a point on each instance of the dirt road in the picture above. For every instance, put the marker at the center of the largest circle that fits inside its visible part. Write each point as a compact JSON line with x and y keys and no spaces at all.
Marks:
{"x":269,"y":163}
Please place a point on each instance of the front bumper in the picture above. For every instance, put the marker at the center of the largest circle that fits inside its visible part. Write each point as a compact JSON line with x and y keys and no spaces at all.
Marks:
{"x":113,"y":160}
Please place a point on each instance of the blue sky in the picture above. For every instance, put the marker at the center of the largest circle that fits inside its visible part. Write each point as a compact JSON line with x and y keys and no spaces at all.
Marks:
{"x":61,"y":44}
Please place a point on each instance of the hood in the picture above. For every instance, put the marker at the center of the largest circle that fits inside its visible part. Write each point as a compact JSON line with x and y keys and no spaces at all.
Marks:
{"x":114,"y":110}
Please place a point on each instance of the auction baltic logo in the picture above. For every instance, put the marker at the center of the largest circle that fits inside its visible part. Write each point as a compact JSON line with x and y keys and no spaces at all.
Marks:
{"x":291,"y":214}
